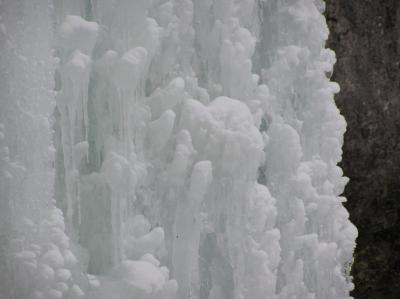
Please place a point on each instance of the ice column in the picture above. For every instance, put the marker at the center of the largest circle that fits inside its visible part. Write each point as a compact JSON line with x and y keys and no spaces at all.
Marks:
{"x":37,"y":259}
{"x":317,"y":239}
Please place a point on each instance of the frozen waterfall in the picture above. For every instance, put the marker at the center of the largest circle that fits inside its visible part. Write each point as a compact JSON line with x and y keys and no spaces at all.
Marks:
{"x":170,"y":149}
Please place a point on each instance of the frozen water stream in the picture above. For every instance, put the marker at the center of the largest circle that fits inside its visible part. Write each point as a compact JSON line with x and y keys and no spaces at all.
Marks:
{"x":170,"y":149}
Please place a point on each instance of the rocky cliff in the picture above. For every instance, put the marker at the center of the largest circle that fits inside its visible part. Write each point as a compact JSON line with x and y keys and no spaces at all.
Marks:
{"x":365,"y":35}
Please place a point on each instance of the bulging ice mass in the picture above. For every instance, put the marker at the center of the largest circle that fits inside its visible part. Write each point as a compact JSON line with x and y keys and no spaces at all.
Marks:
{"x":170,"y":149}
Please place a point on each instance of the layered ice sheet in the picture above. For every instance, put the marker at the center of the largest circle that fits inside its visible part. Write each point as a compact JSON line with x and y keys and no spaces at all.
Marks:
{"x":170,"y":149}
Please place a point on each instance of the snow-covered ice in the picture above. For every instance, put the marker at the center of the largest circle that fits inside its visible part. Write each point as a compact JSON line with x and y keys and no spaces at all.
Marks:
{"x":170,"y":149}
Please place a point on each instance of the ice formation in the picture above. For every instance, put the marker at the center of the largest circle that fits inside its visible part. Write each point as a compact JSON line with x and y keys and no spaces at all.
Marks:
{"x":170,"y":149}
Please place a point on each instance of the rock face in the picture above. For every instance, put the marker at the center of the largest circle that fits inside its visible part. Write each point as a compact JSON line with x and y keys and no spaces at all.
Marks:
{"x":365,"y":34}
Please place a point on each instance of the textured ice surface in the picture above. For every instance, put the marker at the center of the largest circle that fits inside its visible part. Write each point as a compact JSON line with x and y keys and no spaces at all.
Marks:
{"x":170,"y":149}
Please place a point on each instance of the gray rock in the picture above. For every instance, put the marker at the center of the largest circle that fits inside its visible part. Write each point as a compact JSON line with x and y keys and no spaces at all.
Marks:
{"x":365,"y":34}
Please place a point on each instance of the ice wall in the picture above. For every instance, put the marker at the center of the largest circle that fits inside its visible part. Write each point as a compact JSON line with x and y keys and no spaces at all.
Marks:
{"x":170,"y":149}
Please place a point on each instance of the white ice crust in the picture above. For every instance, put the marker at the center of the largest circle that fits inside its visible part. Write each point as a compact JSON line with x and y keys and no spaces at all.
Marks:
{"x":170,"y":149}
